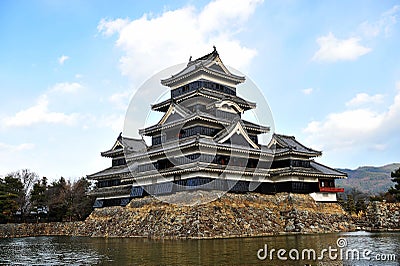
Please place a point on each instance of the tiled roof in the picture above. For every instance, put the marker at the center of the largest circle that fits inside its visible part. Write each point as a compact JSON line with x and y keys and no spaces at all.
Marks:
{"x":119,"y":145}
{"x":206,"y":117}
{"x":121,"y":190}
{"x":111,"y":172}
{"x":116,"y":150}
{"x":164,"y":105}
{"x":261,"y":128}
{"x":285,"y":144}
{"x":238,"y":125}
{"x":133,"y":145}
{"x":203,"y":64}
{"x":207,"y":57}
{"x":316,"y":170}
{"x":113,"y":153}
{"x":327,"y":170}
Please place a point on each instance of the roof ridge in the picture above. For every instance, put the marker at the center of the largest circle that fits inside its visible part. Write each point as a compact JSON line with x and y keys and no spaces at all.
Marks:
{"x":214,"y":53}
{"x":285,"y":136}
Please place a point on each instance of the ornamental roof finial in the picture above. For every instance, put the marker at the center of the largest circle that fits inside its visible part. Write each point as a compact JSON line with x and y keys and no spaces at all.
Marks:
{"x":215,"y":48}
{"x":190,"y":59}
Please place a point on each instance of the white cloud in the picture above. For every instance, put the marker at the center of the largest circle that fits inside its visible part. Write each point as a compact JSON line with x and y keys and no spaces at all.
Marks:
{"x":62,"y":59}
{"x":151,"y":43}
{"x":217,"y":11}
{"x":121,"y":99}
{"x":357,"y":127}
{"x":384,"y":24}
{"x":308,"y":91}
{"x":364,"y":98}
{"x":114,"y":121}
{"x":379,"y":147}
{"x":346,"y":124}
{"x":67,"y":87}
{"x":332,"y":49}
{"x":109,"y":27}
{"x":12,"y":148}
{"x":38,"y":113}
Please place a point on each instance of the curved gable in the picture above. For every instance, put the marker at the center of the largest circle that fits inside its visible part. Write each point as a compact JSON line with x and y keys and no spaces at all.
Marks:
{"x":239,"y":130}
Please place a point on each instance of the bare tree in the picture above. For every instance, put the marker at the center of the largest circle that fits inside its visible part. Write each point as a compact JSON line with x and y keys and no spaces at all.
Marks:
{"x":27,"y":178}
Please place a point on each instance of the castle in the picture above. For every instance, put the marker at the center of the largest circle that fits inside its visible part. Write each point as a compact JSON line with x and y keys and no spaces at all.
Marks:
{"x":202,"y":143}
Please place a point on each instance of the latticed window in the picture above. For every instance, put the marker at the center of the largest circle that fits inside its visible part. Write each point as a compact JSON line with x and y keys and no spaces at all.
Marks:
{"x":202,"y":84}
{"x":119,"y":161}
{"x":108,"y":183}
{"x":227,"y":115}
{"x":156,"y":140}
{"x":300,"y":187}
{"x":192,"y":131}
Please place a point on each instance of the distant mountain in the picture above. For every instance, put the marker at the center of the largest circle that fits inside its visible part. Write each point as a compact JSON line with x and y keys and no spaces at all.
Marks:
{"x":368,"y":179}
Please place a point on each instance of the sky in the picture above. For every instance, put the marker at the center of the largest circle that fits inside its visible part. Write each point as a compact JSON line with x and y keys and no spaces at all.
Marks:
{"x":329,"y":70}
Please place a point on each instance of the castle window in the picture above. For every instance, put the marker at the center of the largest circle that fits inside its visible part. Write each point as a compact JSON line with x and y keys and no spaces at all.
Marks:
{"x":198,"y":84}
{"x":108,"y":183}
{"x":119,"y":161}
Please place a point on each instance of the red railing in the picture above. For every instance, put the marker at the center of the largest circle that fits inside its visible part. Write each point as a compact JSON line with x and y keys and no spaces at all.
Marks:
{"x":331,"y":189}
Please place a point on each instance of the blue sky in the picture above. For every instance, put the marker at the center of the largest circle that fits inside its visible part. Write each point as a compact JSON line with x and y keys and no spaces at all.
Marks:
{"x":330,"y":71}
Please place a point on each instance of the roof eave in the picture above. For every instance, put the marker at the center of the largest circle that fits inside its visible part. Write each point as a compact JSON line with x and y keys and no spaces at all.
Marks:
{"x":111,"y":153}
{"x":171,"y":81}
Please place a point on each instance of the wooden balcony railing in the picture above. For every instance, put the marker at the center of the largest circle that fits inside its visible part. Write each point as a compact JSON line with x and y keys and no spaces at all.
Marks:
{"x":331,"y":189}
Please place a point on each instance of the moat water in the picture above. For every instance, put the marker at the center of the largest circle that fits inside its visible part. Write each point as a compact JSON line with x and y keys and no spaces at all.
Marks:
{"x":355,"y":248}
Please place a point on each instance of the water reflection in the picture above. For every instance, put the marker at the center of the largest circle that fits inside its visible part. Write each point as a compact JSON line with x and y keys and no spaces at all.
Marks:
{"x":137,"y":251}
{"x":48,"y":251}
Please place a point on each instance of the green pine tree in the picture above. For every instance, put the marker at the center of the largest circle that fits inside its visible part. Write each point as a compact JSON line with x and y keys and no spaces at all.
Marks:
{"x":11,"y":189}
{"x":39,"y":198}
{"x":395,"y":191}
{"x":340,"y":200}
{"x":360,"y":205}
{"x":350,"y":206}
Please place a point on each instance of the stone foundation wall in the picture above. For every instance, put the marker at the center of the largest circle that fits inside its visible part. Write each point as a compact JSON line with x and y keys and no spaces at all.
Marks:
{"x":232,"y":215}
{"x":383,"y":215}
